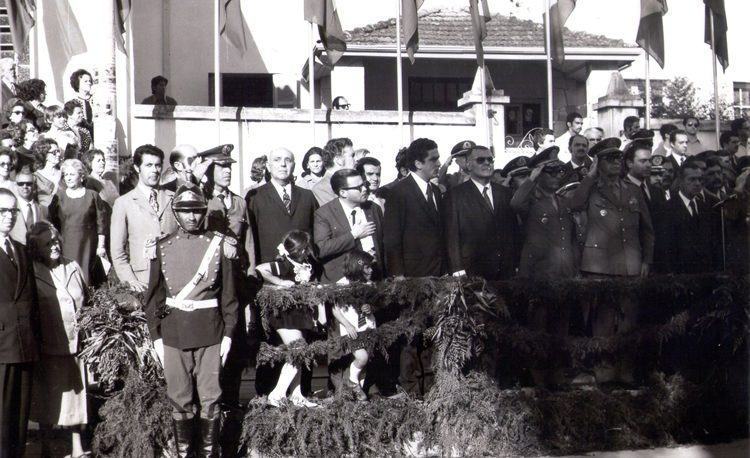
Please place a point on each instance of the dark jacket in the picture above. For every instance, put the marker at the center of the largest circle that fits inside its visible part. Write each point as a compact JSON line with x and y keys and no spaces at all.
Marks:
{"x":334,"y":239}
{"x":480,"y":240}
{"x":19,"y":316}
{"x":270,"y":220}
{"x":549,"y":247}
{"x":178,"y":258}
{"x":685,"y":244}
{"x":619,"y":234}
{"x":413,"y":232}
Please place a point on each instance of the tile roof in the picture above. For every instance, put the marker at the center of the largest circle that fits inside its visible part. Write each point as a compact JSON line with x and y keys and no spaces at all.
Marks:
{"x":452,"y":27}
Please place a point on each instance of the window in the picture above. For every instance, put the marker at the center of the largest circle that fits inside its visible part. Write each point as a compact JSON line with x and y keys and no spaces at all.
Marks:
{"x":243,"y":90}
{"x":741,"y":99}
{"x":437,"y":94}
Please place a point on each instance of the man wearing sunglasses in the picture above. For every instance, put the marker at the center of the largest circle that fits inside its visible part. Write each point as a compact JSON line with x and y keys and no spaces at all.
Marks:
{"x":481,"y":228}
{"x":29,"y":209}
{"x":619,"y":243}
{"x":549,"y":247}
{"x":691,"y":125}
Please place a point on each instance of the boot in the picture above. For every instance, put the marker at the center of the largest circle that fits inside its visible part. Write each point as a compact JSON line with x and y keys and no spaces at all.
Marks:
{"x":183,"y":437}
{"x":209,"y":447}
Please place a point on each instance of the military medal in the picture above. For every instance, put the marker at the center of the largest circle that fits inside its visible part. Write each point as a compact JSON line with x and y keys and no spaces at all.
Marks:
{"x":603,"y":212}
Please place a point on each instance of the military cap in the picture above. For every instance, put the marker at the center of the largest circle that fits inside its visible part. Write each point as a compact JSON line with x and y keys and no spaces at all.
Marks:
{"x":517,"y":166}
{"x":462,"y":148}
{"x":643,"y":134}
{"x":704,"y":155}
{"x":189,"y":197}
{"x":606,"y":147}
{"x":743,"y":163}
{"x":219,"y":154}
{"x":544,"y":157}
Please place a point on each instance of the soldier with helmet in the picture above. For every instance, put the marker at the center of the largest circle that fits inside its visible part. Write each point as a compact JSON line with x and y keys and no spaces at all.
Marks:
{"x":191,"y":306}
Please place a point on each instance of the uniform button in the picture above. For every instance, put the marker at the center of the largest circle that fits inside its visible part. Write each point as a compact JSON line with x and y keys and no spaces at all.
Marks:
{"x":166,"y":278}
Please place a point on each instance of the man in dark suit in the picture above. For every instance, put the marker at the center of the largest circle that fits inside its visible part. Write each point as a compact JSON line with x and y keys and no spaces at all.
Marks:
{"x":278,"y":206}
{"x":637,"y":160}
{"x":579,"y":163}
{"x":481,"y":229}
{"x":619,"y":243}
{"x":348,"y":222}
{"x":413,"y":231}
{"x":18,"y":345}
{"x":684,"y":241}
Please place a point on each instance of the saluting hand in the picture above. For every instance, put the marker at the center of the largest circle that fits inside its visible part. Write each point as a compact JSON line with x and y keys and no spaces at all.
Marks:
{"x":593,"y":170}
{"x":535,"y":173}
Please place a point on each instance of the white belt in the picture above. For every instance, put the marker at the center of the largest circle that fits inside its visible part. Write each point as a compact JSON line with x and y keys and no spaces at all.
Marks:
{"x":188,"y":305}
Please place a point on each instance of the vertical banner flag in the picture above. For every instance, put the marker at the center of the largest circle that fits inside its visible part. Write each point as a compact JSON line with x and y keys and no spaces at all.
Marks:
{"x":559,"y":12}
{"x":410,"y":24}
{"x":720,"y":30}
{"x":651,"y":29}
{"x":325,"y":14}
{"x":121,"y":18}
{"x":21,"y":19}
{"x":232,"y":24}
{"x":480,"y":16}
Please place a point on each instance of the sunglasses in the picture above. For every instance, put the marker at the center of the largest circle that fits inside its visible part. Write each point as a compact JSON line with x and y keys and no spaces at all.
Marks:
{"x":24,"y":183}
{"x":484,"y":160}
{"x":8,"y":211}
{"x":612,"y":158}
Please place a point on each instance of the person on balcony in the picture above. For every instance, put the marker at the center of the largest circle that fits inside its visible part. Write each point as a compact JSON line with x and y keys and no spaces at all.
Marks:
{"x":82,"y":82}
{"x":159,"y":93}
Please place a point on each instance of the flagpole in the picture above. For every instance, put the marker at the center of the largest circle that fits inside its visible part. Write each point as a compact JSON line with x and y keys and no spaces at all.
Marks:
{"x":717,"y":117}
{"x":485,"y":113}
{"x":399,"y":75}
{"x":311,"y":76}
{"x":548,"y":40}
{"x":217,"y":71}
{"x":648,"y":92}
{"x":34,"y":47}
{"x":130,"y":78}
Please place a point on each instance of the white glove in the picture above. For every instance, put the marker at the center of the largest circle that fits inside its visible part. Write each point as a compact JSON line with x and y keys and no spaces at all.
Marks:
{"x":159,"y":347}
{"x":226,"y":344}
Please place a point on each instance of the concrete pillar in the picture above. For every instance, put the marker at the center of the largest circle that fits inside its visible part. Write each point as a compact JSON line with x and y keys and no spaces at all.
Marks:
{"x":494,"y":119}
{"x":105,"y":109}
{"x":349,"y":81}
{"x":616,"y":105}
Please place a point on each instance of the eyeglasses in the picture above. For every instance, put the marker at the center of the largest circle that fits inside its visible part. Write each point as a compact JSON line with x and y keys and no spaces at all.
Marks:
{"x":25,"y":183}
{"x":484,"y":160}
{"x":362,"y":187}
{"x":8,"y":211}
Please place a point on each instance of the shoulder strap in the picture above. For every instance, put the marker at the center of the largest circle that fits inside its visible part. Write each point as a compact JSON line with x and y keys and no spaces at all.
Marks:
{"x":202,"y":269}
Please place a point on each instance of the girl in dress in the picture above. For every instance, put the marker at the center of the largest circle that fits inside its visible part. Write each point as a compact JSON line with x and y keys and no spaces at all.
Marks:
{"x":357,"y":268}
{"x":294,"y":266}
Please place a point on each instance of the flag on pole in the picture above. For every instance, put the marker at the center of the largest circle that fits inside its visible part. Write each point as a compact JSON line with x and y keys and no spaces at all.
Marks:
{"x":121,"y":18}
{"x":720,"y":33}
{"x":480,"y":16}
{"x":325,"y":14}
{"x":232,"y":24}
{"x":411,"y":26}
{"x":21,"y":19}
{"x":651,"y":29}
{"x":559,"y":12}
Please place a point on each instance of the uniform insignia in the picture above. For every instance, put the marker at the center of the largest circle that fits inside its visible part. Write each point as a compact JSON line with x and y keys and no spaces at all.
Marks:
{"x":583,"y":171}
{"x":545,"y":220}
{"x":229,"y":247}
{"x":603,"y":212}
{"x":657,"y":160}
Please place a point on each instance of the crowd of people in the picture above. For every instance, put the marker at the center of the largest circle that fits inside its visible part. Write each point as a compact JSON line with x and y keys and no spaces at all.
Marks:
{"x":581,"y":206}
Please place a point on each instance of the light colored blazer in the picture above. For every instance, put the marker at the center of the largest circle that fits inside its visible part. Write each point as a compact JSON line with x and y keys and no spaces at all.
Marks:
{"x":133,"y":223}
{"x":18,"y":233}
{"x":61,"y":292}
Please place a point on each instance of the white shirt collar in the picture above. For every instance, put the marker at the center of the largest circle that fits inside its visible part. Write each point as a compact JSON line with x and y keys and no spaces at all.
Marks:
{"x":687,"y":201}
{"x":145,"y":190}
{"x":635,"y":180}
{"x":421,"y":183}
{"x":481,"y":188}
{"x":280,"y":189}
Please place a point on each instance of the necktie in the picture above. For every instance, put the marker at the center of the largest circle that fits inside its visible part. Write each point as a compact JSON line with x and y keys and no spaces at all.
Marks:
{"x":645,"y":190}
{"x":486,"y":196}
{"x":354,"y":217}
{"x":431,"y":197}
{"x":693,"y":208}
{"x":287,"y":201}
{"x":221,"y":197}
{"x":29,"y":216}
{"x":152,"y":202}
{"x":9,"y":252}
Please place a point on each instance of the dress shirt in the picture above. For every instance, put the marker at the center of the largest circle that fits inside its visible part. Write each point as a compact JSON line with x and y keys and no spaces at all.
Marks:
{"x":638,"y":183}
{"x":680,"y":159}
{"x":481,"y":187}
{"x":3,"y":239}
{"x":227,"y":194}
{"x":145,"y":190}
{"x":280,"y":189}
{"x":423,"y":188}
{"x":23,"y":205}
{"x":687,"y":201}
{"x":694,"y":147}
{"x":368,"y":243}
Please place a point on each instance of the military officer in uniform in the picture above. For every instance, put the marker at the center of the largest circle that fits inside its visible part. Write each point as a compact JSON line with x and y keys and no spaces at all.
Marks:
{"x":191,"y":307}
{"x":549,"y":247}
{"x":619,"y":243}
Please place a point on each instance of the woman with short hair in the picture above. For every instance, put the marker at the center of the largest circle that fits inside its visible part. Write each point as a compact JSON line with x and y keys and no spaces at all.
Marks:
{"x":80,"y":216}
{"x":59,"y":129}
{"x":47,"y":157}
{"x":58,"y":388}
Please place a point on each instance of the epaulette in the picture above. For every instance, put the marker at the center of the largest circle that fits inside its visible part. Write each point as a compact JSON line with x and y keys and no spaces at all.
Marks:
{"x":229,"y":245}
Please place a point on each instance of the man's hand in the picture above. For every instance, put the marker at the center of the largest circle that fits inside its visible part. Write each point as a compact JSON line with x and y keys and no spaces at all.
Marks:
{"x":645,"y":269}
{"x":200,"y":166}
{"x":226,"y":344}
{"x":138,"y":286}
{"x":351,"y":331}
{"x":159,"y":348}
{"x":535,"y":173}
{"x":362,"y":230}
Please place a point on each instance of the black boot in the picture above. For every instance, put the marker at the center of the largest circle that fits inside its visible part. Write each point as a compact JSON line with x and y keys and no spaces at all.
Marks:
{"x":209,"y":447}
{"x":183,"y":437}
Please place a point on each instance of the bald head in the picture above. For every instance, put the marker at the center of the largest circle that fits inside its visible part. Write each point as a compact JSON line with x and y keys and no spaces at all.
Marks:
{"x":281,"y":165}
{"x":181,"y":158}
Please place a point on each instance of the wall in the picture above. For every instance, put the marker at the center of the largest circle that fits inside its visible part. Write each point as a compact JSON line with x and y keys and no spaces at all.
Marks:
{"x":256,"y":131}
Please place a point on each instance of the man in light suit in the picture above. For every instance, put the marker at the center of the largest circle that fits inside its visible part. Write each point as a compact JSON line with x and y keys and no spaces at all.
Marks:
{"x":481,"y":229}
{"x":348,"y":222}
{"x":18,"y":345}
{"x":139,"y":218}
{"x":29,"y":209}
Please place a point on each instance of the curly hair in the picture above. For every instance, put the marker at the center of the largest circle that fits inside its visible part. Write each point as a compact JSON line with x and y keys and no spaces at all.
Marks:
{"x":75,"y":78}
{"x":31,"y":89}
{"x":40,"y":149}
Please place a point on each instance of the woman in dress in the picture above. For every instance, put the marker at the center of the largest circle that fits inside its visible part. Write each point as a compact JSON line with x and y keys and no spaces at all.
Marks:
{"x":294,"y":266}
{"x":48,"y":176}
{"x":313,"y":167}
{"x":59,"y":388}
{"x":80,"y":216}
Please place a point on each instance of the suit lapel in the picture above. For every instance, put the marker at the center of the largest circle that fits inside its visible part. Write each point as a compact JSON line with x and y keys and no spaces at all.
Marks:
{"x":142,"y":202}
{"x":419,"y":197}
{"x":22,"y":268}
{"x":275,"y":198}
{"x":340,"y":215}
{"x":479,"y":198}
{"x":295,"y":199}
